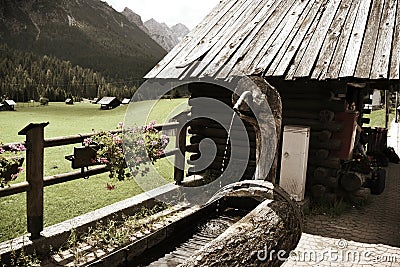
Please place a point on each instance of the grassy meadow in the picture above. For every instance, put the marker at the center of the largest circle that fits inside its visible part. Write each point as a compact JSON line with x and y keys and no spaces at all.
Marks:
{"x":67,"y":200}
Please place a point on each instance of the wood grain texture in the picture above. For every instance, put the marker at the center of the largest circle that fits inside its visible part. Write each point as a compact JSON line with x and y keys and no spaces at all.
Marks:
{"x":290,"y":39}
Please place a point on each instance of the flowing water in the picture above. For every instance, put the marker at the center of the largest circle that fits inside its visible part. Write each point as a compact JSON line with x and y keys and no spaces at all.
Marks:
{"x":227,"y":142}
{"x":176,"y":252}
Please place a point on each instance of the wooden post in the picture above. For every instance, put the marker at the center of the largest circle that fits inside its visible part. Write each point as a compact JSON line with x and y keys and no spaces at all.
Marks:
{"x":386,"y":109}
{"x":396,"y":106}
{"x":34,"y":133}
{"x":179,"y":164}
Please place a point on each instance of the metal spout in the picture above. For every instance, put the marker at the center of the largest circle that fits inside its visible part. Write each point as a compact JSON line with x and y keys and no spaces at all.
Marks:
{"x":240,"y":100}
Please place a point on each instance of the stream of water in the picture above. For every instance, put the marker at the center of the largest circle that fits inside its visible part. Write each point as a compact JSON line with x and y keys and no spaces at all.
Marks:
{"x":227,"y":142}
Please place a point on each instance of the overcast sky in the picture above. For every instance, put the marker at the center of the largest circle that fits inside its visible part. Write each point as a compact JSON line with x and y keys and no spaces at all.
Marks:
{"x":188,"y":12}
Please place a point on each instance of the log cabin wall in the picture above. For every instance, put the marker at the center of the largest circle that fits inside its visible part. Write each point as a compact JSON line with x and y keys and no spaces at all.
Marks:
{"x":202,"y":128}
{"x":308,"y":103}
{"x":319,"y":105}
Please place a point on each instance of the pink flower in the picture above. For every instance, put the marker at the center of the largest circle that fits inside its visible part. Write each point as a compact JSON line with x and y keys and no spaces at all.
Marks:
{"x":120,"y":124}
{"x":117,"y":139}
{"x":20,"y":169}
{"x":103,"y":160}
{"x":154,"y":143}
{"x":140,"y":142}
{"x":87,"y":141}
{"x":138,"y":159}
{"x":1,"y":150}
{"x":160,"y":152}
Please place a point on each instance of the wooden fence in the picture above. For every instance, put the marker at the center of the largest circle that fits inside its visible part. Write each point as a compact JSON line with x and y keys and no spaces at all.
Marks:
{"x":35,"y":144}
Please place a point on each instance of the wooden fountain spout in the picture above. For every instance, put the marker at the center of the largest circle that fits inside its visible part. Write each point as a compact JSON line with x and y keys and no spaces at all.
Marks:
{"x":263,"y":110}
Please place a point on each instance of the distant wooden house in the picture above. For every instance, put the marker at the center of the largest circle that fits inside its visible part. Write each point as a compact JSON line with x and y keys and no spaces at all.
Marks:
{"x":9,"y":104}
{"x":323,"y":57}
{"x":126,"y":101}
{"x":109,"y":102}
{"x":69,"y":101}
{"x":44,"y":101}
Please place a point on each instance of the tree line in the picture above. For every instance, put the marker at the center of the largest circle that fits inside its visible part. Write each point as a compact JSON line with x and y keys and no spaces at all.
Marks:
{"x":26,"y":76}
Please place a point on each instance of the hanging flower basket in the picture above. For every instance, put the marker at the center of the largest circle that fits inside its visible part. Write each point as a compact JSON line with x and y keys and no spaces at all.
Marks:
{"x":10,"y":169}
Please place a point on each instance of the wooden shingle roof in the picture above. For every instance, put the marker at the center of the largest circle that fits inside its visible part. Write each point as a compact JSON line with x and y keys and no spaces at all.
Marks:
{"x":315,"y":39}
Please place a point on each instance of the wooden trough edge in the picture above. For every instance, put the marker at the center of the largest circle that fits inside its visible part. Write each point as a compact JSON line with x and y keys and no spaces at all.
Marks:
{"x":53,"y":237}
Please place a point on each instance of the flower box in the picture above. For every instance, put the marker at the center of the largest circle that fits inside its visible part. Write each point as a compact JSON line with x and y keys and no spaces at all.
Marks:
{"x":84,"y":156}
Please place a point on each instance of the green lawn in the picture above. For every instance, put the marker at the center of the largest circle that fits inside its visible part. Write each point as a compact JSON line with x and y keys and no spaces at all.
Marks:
{"x":377,"y":118}
{"x":65,"y":201}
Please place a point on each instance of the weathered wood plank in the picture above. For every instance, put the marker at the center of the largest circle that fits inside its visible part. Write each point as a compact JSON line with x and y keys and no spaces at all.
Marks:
{"x":225,"y":27}
{"x":255,"y":48}
{"x":256,"y":14}
{"x":196,"y":37}
{"x":380,"y":67}
{"x":297,"y":49}
{"x":295,"y":32}
{"x":271,"y":48}
{"x":395,"y":58}
{"x":306,"y":64}
{"x":331,"y":41}
{"x":354,"y":46}
{"x":336,"y":63}
{"x":364,"y":63}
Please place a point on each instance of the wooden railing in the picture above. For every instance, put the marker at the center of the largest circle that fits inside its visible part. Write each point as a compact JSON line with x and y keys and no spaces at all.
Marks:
{"x":35,"y":144}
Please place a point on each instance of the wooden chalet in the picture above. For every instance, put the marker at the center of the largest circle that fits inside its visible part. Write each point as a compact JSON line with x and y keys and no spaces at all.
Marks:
{"x":321,"y":56}
{"x":108,"y":102}
{"x":9,"y":104}
{"x":126,"y":101}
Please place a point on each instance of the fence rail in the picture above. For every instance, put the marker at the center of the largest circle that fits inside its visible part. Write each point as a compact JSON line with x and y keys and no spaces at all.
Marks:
{"x":35,"y":180}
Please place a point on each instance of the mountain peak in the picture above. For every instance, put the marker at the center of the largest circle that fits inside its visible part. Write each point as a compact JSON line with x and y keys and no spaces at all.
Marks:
{"x":134,"y":18}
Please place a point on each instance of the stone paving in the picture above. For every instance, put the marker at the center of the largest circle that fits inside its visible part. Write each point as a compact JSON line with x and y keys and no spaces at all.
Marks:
{"x":368,"y":236}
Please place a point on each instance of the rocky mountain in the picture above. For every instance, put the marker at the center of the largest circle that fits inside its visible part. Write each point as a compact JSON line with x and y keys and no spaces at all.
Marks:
{"x":134,"y":18}
{"x":160,"y":32}
{"x":180,"y":30}
{"x":85,"y":32}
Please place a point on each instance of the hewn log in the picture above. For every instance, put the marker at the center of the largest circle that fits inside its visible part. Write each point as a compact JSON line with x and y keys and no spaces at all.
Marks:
{"x":319,"y":153}
{"x":331,"y":162}
{"x":335,"y":105}
{"x":203,"y":122}
{"x":239,"y":152}
{"x":318,"y":191}
{"x":325,"y":95}
{"x":330,"y":182}
{"x":352,"y":181}
{"x":274,"y":225}
{"x":221,"y":141}
{"x":321,"y":173}
{"x":314,"y":124}
{"x":220,"y":133}
{"x":322,"y":135}
{"x":326,"y":115}
{"x":331,"y":144}
{"x":308,"y":86}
